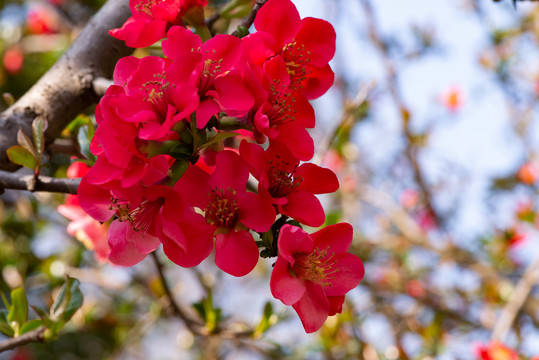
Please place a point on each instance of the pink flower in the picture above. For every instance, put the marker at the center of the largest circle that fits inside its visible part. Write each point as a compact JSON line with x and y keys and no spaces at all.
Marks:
{"x":314,"y":272}
{"x":229,"y":210}
{"x":89,"y":231}
{"x":305,"y":45}
{"x":528,"y":173}
{"x":158,"y":95}
{"x":281,"y":114}
{"x":453,"y":98}
{"x":287,"y":184}
{"x":496,"y":351}
{"x":218,"y":73}
{"x":151,"y":20}
{"x":13,"y":60}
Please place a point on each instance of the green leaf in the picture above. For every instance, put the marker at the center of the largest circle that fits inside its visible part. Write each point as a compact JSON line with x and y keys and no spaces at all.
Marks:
{"x":5,"y":328}
{"x":43,"y":316}
{"x":218,"y":138}
{"x":68,"y":301}
{"x":4,"y":299}
{"x":20,"y":156}
{"x":26,"y":142}
{"x":39,"y":125}
{"x":8,"y":98}
{"x":268,"y":319}
{"x":31,"y":325}
{"x":18,"y":311}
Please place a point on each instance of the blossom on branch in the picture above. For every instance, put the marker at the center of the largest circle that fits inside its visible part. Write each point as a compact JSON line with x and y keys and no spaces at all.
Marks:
{"x":314,"y":272}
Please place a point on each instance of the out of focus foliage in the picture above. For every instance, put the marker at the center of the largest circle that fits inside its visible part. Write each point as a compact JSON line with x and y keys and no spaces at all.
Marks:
{"x":433,"y":129}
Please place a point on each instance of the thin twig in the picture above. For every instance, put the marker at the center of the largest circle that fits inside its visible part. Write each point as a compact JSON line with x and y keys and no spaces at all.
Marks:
{"x":41,"y":183}
{"x":34,"y":336}
{"x":196,"y":326}
{"x":250,"y":19}
{"x":411,"y":151}
{"x":516,"y":301}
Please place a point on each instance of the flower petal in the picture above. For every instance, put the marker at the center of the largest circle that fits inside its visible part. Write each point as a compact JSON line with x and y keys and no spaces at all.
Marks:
{"x":122,"y":251}
{"x":305,"y":208}
{"x":313,"y":308}
{"x":255,"y":212}
{"x":316,"y":179}
{"x":337,"y":238}
{"x":236,"y":253}
{"x":283,"y":285}
{"x":279,"y":18}
{"x":349,"y":274}
{"x":293,"y":240}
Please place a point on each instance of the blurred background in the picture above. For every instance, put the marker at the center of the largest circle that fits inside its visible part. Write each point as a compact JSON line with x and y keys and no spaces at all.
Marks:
{"x":432,"y":126}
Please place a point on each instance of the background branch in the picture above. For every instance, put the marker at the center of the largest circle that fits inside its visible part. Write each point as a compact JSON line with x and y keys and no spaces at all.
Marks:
{"x":66,"y":89}
{"x":42,"y":183}
{"x":36,"y":335}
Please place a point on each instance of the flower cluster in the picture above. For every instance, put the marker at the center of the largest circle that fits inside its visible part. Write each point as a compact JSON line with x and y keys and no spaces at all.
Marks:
{"x":162,"y":175}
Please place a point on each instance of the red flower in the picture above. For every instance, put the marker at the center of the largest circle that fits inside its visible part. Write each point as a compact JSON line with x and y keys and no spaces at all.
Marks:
{"x":13,"y":60}
{"x":218,"y":74}
{"x":306,"y":46}
{"x":230,"y":211}
{"x":496,"y":351}
{"x":151,"y":19}
{"x":314,"y":272}
{"x":158,"y":95}
{"x":287,"y":184}
{"x":89,"y":231}
{"x":281,"y":114}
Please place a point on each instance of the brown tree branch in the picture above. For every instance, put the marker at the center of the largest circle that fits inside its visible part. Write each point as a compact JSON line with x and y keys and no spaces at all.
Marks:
{"x":194,"y":325}
{"x":34,"y":336}
{"x":516,"y":301}
{"x":67,"y":88}
{"x":17,"y":181}
{"x":250,"y":19}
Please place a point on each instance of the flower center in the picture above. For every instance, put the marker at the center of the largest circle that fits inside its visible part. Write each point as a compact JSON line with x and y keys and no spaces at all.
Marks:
{"x":282,"y":181}
{"x":156,"y":93}
{"x":146,"y":6}
{"x":222,"y":207}
{"x":296,"y":58}
{"x":281,"y":111}
{"x":141,"y":217}
{"x":316,"y":266}
{"x":211,"y":69}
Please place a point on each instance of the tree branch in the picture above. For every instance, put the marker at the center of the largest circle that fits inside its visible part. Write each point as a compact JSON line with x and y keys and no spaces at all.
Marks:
{"x":196,"y":327}
{"x":66,"y":89}
{"x":33,"y":336}
{"x":250,"y":19}
{"x":41,"y":183}
{"x":516,"y":301}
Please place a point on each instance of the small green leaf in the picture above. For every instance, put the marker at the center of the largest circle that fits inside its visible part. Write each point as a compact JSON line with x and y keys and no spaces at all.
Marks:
{"x":26,"y":142}
{"x":267,"y":320}
{"x":69,"y":300}
{"x":5,"y":328}
{"x":8,"y":98}
{"x":18,"y":311}
{"x":20,"y":156}
{"x":43,"y":316}
{"x":39,"y":126}
{"x":4,"y":299}
{"x":31,"y":325}
{"x":218,"y":138}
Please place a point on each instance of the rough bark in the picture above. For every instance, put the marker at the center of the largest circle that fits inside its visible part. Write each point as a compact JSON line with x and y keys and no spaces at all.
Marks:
{"x":66,"y":89}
